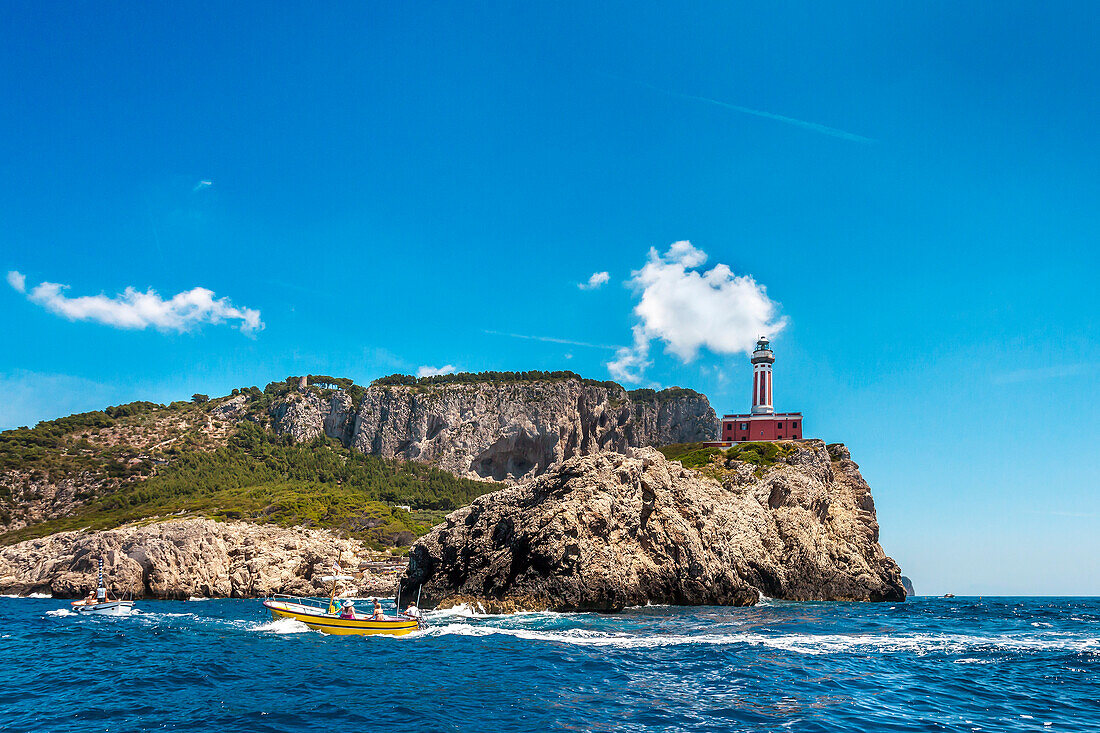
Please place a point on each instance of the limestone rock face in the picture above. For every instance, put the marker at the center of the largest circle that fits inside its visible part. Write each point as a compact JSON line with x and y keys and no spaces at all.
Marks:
{"x":607,"y":531}
{"x":300,"y":415}
{"x":502,"y":431}
{"x":184,"y":558}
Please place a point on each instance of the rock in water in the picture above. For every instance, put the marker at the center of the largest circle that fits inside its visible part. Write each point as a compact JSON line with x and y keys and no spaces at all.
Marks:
{"x":606,"y":531}
{"x":184,"y":558}
{"x":908,"y":585}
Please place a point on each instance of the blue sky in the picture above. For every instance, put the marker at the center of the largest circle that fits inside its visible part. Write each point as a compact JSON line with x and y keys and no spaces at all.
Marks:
{"x":912,"y":192}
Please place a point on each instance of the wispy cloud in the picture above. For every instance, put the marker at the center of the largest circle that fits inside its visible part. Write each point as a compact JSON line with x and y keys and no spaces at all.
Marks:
{"x":1056,"y":513}
{"x":431,"y":371}
{"x":552,"y":340}
{"x":202,"y":184}
{"x":18,"y":281}
{"x":33,"y":396}
{"x":804,"y":124}
{"x":596,"y":280}
{"x":690,"y":309}
{"x":1036,"y":374}
{"x":134,"y":309}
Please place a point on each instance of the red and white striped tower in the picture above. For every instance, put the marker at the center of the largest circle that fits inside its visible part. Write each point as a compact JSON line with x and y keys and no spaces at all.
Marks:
{"x":762,"y":360}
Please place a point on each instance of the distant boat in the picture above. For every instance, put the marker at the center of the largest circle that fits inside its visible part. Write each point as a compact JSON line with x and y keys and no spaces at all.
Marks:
{"x":948,"y":595}
{"x":101,"y":605}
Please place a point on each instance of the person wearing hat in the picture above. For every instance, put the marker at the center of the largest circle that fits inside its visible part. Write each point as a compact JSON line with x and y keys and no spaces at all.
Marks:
{"x":348,"y":611}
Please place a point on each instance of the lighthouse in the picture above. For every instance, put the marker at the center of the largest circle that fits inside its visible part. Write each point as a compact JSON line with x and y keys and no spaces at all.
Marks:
{"x":762,"y":360}
{"x":762,"y":422}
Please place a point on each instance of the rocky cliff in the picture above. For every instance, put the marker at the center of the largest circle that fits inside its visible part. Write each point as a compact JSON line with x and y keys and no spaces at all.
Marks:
{"x":505,"y":426}
{"x":503,"y":431}
{"x":606,"y":531}
{"x":185,"y":558}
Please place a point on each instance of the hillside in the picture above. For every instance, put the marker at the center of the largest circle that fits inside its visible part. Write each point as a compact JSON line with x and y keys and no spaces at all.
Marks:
{"x":327,"y":454}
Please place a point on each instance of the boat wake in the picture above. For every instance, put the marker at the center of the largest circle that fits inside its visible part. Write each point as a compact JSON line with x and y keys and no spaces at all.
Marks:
{"x":283,"y":626}
{"x":58,"y":612}
{"x":464,"y":610}
{"x":810,"y":644}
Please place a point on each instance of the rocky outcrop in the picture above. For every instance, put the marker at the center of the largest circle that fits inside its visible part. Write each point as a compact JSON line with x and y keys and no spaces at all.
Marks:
{"x":607,"y":531}
{"x":907,"y":584}
{"x":186,"y":558}
{"x":499,"y":431}
{"x":300,"y":415}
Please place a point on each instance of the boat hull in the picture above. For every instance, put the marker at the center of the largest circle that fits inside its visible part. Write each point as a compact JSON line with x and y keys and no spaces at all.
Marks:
{"x":109,"y":608}
{"x":331,"y":624}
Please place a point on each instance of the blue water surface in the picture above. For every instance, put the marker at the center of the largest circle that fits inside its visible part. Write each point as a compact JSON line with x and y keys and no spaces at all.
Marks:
{"x":964,"y":664}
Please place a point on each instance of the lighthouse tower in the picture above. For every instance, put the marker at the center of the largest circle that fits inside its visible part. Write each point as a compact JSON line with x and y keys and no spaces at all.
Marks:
{"x":762,"y":360}
{"x":762,"y":422}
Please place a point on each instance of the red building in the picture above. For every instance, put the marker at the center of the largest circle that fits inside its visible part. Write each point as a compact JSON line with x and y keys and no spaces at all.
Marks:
{"x":763,"y":422}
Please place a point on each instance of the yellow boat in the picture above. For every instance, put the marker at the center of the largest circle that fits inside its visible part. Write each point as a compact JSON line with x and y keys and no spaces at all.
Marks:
{"x":318,"y":615}
{"x":315,"y":615}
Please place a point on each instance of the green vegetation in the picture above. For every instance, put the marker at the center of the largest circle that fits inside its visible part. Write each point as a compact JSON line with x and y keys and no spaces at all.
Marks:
{"x":691,"y":455}
{"x":132,"y":408}
{"x":56,"y":449}
{"x":262,"y":478}
{"x":669,"y":393}
{"x":486,"y":377}
{"x":44,"y":450}
{"x":760,"y":454}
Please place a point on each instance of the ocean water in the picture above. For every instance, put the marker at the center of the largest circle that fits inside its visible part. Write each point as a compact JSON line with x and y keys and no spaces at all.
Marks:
{"x":995,"y":664}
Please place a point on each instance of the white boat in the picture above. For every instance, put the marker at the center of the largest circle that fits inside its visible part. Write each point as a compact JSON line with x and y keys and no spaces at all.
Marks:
{"x":101,"y":605}
{"x":104,"y":608}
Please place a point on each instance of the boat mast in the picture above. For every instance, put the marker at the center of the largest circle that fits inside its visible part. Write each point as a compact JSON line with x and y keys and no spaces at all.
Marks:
{"x":335,"y":578}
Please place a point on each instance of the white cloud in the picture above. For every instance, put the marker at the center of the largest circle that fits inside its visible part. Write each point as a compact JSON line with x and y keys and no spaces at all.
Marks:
{"x":138,"y":310}
{"x":430,"y":371}
{"x":18,"y":281}
{"x":690,"y":309}
{"x":630,"y":362}
{"x":596,"y":280}
{"x":202,"y":184}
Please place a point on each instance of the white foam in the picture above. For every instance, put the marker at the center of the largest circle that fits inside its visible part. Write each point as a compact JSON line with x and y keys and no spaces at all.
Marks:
{"x":196,"y":598}
{"x":812,"y":644}
{"x":464,"y":610}
{"x":283,"y":626}
{"x":61,"y":612}
{"x":32,"y":595}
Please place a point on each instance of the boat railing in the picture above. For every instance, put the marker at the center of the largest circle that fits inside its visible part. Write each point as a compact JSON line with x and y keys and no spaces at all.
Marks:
{"x":321,"y":604}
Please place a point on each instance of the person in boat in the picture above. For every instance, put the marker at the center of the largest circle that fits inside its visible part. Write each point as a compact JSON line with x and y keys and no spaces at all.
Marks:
{"x":412,"y":611}
{"x":348,"y":611}
{"x":378,"y":616}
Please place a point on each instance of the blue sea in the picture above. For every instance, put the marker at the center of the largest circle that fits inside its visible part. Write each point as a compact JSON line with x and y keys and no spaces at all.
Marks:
{"x":930,"y":664}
